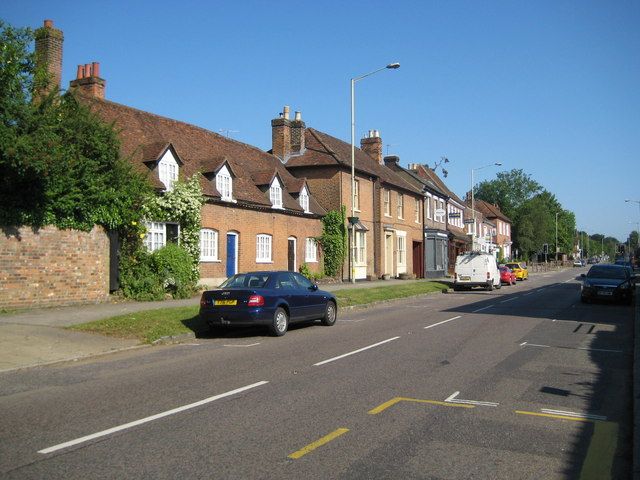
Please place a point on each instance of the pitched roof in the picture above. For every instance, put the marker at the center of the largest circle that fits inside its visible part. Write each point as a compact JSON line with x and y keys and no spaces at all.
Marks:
{"x":425,"y":172}
{"x":145,"y":136}
{"x":491,"y":211}
{"x":324,"y":150}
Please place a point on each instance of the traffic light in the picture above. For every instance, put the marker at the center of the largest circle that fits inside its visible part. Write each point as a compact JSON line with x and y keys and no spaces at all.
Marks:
{"x":545,"y":248}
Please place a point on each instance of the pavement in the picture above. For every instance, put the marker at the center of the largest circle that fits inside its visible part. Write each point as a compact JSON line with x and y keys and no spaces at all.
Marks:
{"x":37,"y":337}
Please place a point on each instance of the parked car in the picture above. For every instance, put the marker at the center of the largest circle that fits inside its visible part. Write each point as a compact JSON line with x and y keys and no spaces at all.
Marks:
{"x":608,"y":282}
{"x":507,"y":276}
{"x":520,"y":269}
{"x":476,"y":269}
{"x":578,"y":263}
{"x":273,"y":299}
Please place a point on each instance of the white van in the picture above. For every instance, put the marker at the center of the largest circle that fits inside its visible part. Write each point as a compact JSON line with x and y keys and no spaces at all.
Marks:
{"x":476,"y":269}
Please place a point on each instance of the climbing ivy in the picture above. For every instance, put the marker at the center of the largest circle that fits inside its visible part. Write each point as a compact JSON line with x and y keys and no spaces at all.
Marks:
{"x":334,"y":241}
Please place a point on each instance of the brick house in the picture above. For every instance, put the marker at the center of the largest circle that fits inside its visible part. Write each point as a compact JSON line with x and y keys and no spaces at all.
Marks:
{"x":256,"y":216}
{"x":388,"y":230}
{"x":457,"y":235}
{"x":502,"y":225}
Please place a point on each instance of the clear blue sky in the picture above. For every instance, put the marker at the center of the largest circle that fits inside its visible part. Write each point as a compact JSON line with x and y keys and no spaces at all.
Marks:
{"x":551,"y":87}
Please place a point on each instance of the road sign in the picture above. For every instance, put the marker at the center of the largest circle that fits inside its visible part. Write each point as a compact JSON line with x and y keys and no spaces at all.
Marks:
{"x":468,"y":221}
{"x":439,"y":212}
{"x":454,"y":214}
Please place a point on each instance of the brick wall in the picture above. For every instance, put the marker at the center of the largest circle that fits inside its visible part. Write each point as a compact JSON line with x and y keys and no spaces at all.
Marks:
{"x":52,"y":267}
{"x":249,"y":223}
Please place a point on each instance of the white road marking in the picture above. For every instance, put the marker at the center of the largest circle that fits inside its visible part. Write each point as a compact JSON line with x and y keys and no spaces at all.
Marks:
{"x":508,"y":300}
{"x":481,"y":309}
{"x":573,"y":348}
{"x":567,"y":281}
{"x":440,"y":323}
{"x":148,"y":419}
{"x":523,"y":344}
{"x":528,"y":293}
{"x":250,"y":345}
{"x":355,"y":351}
{"x":452,"y":399}
{"x":573,"y":414}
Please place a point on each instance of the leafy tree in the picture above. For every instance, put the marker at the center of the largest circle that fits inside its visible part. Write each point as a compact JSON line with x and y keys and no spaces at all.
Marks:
{"x":510,"y":190}
{"x":61,"y":165}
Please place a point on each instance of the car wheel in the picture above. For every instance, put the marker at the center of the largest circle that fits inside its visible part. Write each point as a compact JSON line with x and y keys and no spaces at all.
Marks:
{"x":330,"y":314}
{"x":280,"y":322}
{"x":490,"y":287}
{"x":584,"y":299}
{"x":499,"y":286}
{"x":456,"y":288}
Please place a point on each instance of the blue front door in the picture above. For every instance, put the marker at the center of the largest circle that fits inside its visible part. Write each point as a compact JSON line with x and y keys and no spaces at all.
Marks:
{"x":231,"y":254}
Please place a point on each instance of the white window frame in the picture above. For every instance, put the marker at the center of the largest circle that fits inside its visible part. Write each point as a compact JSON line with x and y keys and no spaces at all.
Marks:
{"x":416,"y":208}
{"x":224,"y":184}
{"x":304,"y":200}
{"x":400,"y":206}
{"x":208,"y":245}
{"x":361,"y":248}
{"x":168,"y":170}
{"x":156,"y":236}
{"x":263,"y":248}
{"x":428,"y":205}
{"x":401,"y":248}
{"x":311,"y":250}
{"x":386,"y":196}
{"x":275,"y":193}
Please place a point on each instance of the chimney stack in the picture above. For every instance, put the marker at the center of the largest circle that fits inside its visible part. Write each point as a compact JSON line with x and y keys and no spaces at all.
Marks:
{"x":371,"y":144}
{"x":297,"y":134}
{"x":88,"y":81}
{"x":49,"y":42}
{"x":281,"y":136}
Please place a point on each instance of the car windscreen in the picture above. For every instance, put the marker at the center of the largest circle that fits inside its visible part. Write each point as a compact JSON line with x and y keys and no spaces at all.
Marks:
{"x":246,"y":280}
{"x":599,"y":272}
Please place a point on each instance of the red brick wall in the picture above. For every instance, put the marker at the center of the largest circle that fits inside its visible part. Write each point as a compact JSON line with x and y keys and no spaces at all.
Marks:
{"x":249,"y":223}
{"x":53,"y":267}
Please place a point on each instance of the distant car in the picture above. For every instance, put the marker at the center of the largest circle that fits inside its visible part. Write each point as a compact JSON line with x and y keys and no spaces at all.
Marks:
{"x":608,"y":282}
{"x":578,"y":263}
{"x":520,"y":269}
{"x":273,"y":299}
{"x":507,"y":276}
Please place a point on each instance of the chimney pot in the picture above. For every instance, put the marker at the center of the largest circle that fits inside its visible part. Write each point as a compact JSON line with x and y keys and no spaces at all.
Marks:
{"x":48,"y":24}
{"x":95,"y":69}
{"x":286,"y":112}
{"x":298,"y":116}
{"x":87,"y":70}
{"x":80,"y":72}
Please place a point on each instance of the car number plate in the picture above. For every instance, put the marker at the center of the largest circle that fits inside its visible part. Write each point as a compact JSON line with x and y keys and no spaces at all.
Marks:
{"x":465,"y":278}
{"x":605,"y":293}
{"x":225,"y":302}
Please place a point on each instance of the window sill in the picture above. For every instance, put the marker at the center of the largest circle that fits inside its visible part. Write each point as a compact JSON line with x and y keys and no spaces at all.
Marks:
{"x":264,"y":261}
{"x":210,"y":260}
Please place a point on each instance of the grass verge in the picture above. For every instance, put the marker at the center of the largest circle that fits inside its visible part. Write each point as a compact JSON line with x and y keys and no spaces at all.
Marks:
{"x":150,"y":325}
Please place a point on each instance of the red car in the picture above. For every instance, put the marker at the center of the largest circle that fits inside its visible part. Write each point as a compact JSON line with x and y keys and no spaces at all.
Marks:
{"x":507,"y":276}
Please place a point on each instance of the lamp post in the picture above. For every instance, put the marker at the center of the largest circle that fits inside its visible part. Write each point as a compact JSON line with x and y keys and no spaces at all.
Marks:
{"x":633,"y":201}
{"x":557,"y":236}
{"x":473,"y":203}
{"x":391,"y":66}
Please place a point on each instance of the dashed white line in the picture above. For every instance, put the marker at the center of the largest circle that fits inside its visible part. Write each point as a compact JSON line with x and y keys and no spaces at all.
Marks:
{"x":508,"y":300}
{"x":481,"y":309}
{"x":440,"y":323}
{"x":249,"y":345}
{"x":355,"y":351}
{"x":148,"y":419}
{"x":573,"y":414}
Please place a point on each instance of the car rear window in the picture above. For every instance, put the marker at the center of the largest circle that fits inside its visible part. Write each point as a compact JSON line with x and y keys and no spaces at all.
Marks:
{"x":246,"y":280}
{"x":602,"y":272}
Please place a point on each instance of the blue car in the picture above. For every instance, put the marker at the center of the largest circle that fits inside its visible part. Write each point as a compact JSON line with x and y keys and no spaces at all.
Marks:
{"x":273,"y":299}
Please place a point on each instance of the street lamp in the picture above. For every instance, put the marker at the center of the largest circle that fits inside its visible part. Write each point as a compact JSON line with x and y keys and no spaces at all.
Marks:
{"x":391,"y":66}
{"x":473,"y":203}
{"x":557,"y":236}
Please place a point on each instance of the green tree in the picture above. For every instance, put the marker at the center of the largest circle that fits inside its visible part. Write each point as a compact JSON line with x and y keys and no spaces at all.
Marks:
{"x":509,"y":190}
{"x":61,"y":165}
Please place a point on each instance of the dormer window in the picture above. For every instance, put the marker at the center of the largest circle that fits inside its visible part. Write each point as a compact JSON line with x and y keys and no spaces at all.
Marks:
{"x":304,"y":199}
{"x":275,"y":193}
{"x":168,"y":170}
{"x":224,"y":184}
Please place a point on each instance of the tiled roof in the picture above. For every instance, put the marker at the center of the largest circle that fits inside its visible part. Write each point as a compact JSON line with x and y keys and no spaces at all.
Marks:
{"x":425,"y":171}
{"x":324,"y":150}
{"x":491,"y":211}
{"x":145,"y":136}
